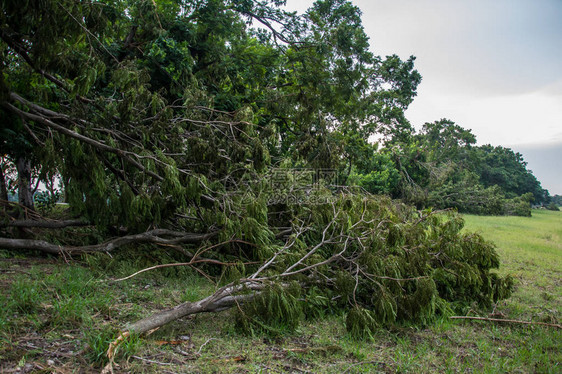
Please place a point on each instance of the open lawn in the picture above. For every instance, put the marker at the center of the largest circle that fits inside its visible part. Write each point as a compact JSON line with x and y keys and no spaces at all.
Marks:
{"x":60,"y":317}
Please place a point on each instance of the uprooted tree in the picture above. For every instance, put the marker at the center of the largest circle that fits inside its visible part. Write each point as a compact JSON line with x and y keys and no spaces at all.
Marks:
{"x":183,"y":123}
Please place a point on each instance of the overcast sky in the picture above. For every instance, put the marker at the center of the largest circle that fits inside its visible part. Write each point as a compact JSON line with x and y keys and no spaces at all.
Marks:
{"x":494,"y":67}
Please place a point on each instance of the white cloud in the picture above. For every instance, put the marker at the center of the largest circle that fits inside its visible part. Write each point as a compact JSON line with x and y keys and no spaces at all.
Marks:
{"x":527,"y":118}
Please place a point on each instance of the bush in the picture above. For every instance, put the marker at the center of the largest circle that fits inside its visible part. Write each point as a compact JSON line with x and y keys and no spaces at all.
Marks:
{"x":518,"y":206}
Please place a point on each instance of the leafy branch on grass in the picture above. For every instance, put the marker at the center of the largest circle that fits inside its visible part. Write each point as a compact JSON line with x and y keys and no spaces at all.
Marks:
{"x":349,"y":257}
{"x":195,"y":260}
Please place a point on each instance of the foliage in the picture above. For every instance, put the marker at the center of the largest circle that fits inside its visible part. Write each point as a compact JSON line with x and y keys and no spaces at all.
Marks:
{"x":441,"y":167}
{"x":275,"y":310}
{"x":393,"y":264}
{"x":554,"y":203}
{"x":507,"y":169}
{"x":168,"y":115}
{"x":46,"y":200}
{"x":557,"y":199}
{"x":376,"y":173}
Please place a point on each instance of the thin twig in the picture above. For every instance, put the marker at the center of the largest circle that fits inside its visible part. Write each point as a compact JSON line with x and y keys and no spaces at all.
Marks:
{"x":153,"y":268}
{"x":152,"y":361}
{"x":191,"y":263}
{"x":400,"y":279}
{"x":204,"y":344}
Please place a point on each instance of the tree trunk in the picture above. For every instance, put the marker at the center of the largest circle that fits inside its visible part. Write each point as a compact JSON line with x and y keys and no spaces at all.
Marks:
{"x":23,"y":166}
{"x":3,"y":188}
{"x":215,"y":303}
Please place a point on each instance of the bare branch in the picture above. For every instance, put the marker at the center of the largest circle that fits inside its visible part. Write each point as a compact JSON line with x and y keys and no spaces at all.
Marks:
{"x":45,"y":224}
{"x":154,"y":236}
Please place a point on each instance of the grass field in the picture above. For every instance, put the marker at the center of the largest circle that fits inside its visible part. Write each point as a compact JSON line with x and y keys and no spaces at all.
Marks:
{"x":57,"y":317}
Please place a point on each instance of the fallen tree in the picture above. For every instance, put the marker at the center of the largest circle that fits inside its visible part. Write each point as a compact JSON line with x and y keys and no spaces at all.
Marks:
{"x":200,"y":133}
{"x":378,"y":261}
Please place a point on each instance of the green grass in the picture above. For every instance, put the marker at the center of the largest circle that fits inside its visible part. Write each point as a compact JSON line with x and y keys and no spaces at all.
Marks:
{"x":61,"y":317}
{"x":530,"y":249}
{"x":524,"y":241}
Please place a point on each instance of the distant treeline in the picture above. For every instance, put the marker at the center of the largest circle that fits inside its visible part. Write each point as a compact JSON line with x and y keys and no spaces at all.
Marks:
{"x":555,"y":202}
{"x":441,"y":167}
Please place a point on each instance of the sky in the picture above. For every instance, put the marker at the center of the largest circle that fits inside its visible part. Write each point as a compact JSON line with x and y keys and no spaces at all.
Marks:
{"x":494,"y":67}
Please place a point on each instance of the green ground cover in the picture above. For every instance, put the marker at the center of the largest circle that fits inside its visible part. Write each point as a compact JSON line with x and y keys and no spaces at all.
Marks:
{"x":59,"y":317}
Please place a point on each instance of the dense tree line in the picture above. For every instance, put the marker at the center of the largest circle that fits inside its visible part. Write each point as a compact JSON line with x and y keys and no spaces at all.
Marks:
{"x":217,"y":129}
{"x":440,"y":166}
{"x":555,"y":202}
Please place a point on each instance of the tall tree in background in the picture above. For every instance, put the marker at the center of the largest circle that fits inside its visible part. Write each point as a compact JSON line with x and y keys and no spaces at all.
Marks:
{"x":442,"y":167}
{"x":507,"y":169}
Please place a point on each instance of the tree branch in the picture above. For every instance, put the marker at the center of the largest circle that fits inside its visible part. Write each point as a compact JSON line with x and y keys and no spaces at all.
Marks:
{"x":95,"y":143}
{"x":153,"y":236}
{"x":20,"y":50}
{"x":45,"y":224}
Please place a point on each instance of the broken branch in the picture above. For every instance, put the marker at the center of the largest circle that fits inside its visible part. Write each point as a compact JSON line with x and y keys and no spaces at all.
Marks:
{"x":152,"y":236}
